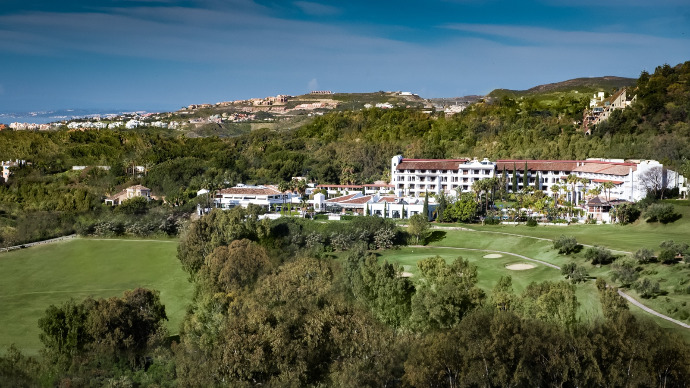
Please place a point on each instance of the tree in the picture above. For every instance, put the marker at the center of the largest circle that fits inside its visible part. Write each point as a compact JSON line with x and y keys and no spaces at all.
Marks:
{"x":575,"y":273}
{"x":643,"y":255}
{"x":502,"y":295}
{"x":445,"y":293}
{"x":425,"y":208}
{"x":236,"y":266}
{"x":661,"y":212}
{"x":624,"y":271}
{"x":515,"y":179}
{"x":599,"y":255}
{"x":627,"y":213}
{"x":134,"y":206}
{"x":419,"y":228}
{"x":565,"y":244}
{"x":652,"y":180}
{"x":551,"y":302}
{"x":608,"y":185}
{"x":525,"y":177}
{"x":647,"y":288}
{"x":672,"y":251}
{"x":440,"y":210}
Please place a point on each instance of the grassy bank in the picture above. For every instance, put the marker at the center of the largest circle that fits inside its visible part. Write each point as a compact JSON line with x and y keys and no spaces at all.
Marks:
{"x":32,"y":279}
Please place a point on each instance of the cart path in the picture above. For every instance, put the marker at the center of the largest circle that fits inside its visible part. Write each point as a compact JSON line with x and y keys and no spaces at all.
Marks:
{"x":650,"y":311}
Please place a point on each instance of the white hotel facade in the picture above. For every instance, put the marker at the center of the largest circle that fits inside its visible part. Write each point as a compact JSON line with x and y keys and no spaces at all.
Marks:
{"x":414,"y":177}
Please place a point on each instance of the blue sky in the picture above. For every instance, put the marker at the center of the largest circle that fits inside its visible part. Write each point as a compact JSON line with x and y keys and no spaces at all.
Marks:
{"x":163,"y":54}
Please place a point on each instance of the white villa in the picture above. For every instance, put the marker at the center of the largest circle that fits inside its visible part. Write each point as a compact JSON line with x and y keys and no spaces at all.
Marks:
{"x":243,"y":195}
{"x":128,"y":193}
{"x":387,"y":206}
{"x":5,"y":168}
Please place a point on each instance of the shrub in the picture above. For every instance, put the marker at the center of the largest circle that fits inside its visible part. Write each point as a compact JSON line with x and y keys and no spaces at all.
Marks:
{"x":599,"y":255}
{"x":492,"y":221}
{"x":531,"y":222}
{"x":565,"y":244}
{"x":661,"y":212}
{"x":647,"y":288}
{"x":574,"y":272}
{"x":643,"y":255}
{"x":627,"y":213}
{"x":624,"y":271}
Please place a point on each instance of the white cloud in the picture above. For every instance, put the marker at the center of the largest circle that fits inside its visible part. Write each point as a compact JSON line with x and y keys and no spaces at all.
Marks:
{"x":313,"y":85}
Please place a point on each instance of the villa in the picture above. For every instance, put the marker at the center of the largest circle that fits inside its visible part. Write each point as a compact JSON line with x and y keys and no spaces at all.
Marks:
{"x":128,"y":193}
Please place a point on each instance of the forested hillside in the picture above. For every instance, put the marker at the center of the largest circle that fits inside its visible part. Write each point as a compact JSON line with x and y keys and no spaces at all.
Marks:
{"x":341,"y":147}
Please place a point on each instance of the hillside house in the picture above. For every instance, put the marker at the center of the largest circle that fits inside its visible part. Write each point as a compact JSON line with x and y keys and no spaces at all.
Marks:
{"x":129,"y":193}
{"x":265,"y":196}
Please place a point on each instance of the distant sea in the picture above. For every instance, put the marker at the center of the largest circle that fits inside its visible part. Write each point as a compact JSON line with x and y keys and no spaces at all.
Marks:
{"x":49,"y":116}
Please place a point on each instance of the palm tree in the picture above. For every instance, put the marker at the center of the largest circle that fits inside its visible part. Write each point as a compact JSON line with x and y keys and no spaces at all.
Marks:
{"x":283,"y":187}
{"x":572,"y":180}
{"x":608,"y":185}
{"x":584,"y":182}
{"x":556,"y":189}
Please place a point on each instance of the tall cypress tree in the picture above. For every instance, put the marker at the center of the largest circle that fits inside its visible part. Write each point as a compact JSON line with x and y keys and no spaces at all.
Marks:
{"x":426,"y":205}
{"x":515,"y":182}
{"x":537,"y":182}
{"x":525,"y":179}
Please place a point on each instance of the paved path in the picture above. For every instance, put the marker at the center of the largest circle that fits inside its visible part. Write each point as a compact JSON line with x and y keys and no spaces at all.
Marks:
{"x":647,"y":309}
{"x":492,"y":251}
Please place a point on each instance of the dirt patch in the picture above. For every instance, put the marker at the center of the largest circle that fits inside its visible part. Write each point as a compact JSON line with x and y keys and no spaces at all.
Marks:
{"x":406,"y":274}
{"x":519,"y":267}
{"x":493,"y":256}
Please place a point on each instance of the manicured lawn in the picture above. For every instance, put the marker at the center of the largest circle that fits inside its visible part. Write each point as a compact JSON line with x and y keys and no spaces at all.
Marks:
{"x":34,"y":278}
{"x":627,"y":238}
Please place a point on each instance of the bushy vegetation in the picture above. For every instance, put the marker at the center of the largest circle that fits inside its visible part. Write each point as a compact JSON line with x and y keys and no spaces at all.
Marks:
{"x":566,"y":245}
{"x":661,"y":212}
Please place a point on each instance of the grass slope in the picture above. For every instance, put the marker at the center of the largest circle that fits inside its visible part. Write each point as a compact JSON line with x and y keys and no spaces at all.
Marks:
{"x":32,"y":279}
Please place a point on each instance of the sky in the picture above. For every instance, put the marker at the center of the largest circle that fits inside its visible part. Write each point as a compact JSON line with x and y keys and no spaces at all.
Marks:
{"x":164,"y":54}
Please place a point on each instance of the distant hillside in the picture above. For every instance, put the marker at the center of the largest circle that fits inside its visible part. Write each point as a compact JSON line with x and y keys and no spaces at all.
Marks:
{"x":582,"y":85}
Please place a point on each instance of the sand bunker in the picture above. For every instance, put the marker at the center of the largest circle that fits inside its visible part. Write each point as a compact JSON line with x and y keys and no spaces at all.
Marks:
{"x":406,"y":274}
{"x":493,"y":256}
{"x":519,"y":267}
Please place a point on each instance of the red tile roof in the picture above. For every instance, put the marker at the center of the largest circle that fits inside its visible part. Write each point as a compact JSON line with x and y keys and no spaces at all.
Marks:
{"x":249,"y":191}
{"x":621,"y":169}
{"x":606,"y":180}
{"x":340,"y":186}
{"x":359,"y":200}
{"x":342,"y":198}
{"x":536,"y":165}
{"x":430,"y":164}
